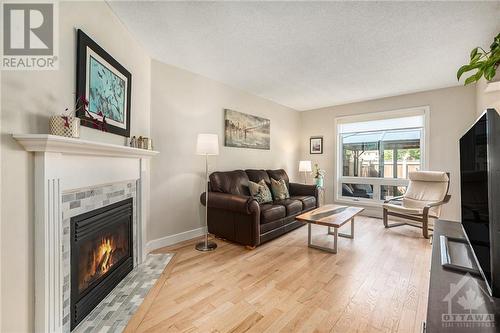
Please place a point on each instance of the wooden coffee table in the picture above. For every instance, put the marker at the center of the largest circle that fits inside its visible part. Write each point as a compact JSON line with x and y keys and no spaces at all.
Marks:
{"x":331,"y":216}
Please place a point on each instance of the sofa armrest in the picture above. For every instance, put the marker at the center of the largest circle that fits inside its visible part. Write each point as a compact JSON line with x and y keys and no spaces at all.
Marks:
{"x":302,"y":189}
{"x":235,"y":203}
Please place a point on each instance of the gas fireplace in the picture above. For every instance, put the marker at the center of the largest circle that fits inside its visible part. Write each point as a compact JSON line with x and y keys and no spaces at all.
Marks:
{"x":101,"y":255}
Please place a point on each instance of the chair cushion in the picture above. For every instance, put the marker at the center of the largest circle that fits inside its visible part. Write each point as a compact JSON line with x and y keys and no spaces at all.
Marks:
{"x":308,"y":201}
{"x":279,"y":189}
{"x":429,"y":176}
{"x":270,"y":213}
{"x":426,"y":187}
{"x":292,"y":206}
{"x":260,"y":191}
{"x":403,"y":210}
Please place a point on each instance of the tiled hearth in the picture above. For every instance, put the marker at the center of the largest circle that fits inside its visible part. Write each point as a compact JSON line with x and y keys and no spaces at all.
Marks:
{"x":114,"y":312}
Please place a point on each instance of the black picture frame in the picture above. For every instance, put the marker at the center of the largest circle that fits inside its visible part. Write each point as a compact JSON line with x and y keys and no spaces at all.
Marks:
{"x":314,"y":139}
{"x":84,"y":42}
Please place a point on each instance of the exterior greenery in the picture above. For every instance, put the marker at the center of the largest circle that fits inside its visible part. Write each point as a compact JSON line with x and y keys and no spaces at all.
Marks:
{"x":412,"y":154}
{"x":484,"y":63}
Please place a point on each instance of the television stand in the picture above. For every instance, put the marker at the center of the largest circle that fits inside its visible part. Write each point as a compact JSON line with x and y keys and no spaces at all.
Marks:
{"x":456,"y":295}
{"x":465,"y":253}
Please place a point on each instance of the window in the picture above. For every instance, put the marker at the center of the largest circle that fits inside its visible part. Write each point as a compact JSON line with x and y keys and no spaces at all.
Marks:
{"x":376,"y":153}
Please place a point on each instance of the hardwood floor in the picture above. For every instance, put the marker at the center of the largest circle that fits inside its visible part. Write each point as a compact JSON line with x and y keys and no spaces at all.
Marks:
{"x":376,"y":283}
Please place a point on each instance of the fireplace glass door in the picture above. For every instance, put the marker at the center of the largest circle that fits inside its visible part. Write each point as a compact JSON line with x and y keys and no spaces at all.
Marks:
{"x":101,"y":255}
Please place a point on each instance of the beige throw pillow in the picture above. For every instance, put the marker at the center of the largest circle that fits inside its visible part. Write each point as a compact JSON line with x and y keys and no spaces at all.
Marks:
{"x":260,"y":191}
{"x":280,"y":191}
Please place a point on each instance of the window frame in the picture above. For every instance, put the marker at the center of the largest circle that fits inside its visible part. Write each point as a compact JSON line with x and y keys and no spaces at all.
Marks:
{"x":376,"y":182}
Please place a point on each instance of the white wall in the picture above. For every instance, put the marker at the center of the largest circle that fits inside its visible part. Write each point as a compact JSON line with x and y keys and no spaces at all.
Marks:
{"x":452,"y":111}
{"x":184,"y":104}
{"x":29,"y":98}
{"x":485,"y":99}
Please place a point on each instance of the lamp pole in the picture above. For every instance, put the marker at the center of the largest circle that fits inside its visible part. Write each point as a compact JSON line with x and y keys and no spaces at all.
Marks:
{"x":206,"y":200}
{"x":206,"y":246}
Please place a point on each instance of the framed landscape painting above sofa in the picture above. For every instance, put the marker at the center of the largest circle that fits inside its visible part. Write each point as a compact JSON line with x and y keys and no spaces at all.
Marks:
{"x":246,"y":131}
{"x":105,"y":84}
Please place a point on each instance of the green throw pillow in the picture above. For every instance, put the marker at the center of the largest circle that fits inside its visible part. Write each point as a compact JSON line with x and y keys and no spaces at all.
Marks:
{"x":280,"y":191}
{"x":260,"y":191}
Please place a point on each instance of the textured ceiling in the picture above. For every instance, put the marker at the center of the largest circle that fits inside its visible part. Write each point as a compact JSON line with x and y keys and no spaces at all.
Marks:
{"x":307,"y":55}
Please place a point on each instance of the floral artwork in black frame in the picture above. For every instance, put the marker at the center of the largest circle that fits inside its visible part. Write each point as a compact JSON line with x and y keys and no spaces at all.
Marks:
{"x":105,"y":85}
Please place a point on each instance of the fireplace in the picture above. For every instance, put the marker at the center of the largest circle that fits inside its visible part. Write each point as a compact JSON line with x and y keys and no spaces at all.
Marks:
{"x":101,"y":255}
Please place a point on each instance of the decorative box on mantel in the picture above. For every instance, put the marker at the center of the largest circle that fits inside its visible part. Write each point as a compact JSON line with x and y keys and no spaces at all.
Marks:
{"x":65,"y":166}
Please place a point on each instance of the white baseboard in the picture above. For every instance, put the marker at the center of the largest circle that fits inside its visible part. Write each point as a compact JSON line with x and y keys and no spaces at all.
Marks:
{"x":174,"y":239}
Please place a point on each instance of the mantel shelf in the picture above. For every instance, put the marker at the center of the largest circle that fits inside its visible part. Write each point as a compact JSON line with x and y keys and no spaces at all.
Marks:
{"x":72,"y":146}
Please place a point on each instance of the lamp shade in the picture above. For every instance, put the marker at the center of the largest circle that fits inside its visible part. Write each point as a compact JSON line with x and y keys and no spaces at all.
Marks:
{"x":207,"y":144}
{"x":305,"y":166}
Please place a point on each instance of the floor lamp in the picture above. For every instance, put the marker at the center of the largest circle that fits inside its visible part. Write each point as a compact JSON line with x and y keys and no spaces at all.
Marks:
{"x":207,"y":144}
{"x":305,"y":167}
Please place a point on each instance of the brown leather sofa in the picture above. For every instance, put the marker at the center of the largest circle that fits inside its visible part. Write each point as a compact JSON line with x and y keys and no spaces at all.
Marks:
{"x":236,"y":216}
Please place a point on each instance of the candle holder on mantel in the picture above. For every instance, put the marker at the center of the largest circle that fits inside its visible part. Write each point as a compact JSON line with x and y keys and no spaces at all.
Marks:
{"x":141,"y":142}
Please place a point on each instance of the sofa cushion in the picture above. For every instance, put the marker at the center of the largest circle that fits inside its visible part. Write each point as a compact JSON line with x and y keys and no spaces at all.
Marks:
{"x":278,"y":175}
{"x":232,"y":182}
{"x":260,"y":191}
{"x":308,"y":201}
{"x":292,"y":206}
{"x":271,"y":212}
{"x":279,"y":189}
{"x":265,"y":227}
{"x":257,"y":175}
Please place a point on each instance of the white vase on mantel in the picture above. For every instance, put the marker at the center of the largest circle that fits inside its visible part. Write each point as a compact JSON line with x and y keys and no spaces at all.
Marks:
{"x":65,"y":126}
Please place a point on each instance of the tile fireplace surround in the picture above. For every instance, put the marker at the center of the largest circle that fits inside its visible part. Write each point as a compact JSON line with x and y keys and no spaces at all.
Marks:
{"x":73,"y":176}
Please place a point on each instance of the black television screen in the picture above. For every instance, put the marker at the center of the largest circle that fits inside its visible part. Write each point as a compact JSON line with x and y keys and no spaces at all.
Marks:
{"x":474,"y":193}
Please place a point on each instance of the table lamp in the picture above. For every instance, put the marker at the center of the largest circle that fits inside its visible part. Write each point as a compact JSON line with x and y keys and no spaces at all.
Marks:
{"x":305,"y":167}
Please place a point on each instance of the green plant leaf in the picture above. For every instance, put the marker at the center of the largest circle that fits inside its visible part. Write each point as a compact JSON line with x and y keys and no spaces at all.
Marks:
{"x":469,"y":67}
{"x":485,"y":62}
{"x":473,"y":53}
{"x":462,"y":70}
{"x":489,"y":73}
{"x":470,"y":79}
{"x":476,"y":57}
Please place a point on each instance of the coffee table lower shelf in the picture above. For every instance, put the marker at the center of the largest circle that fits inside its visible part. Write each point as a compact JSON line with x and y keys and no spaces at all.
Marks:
{"x":336,"y":234}
{"x":332,"y":217}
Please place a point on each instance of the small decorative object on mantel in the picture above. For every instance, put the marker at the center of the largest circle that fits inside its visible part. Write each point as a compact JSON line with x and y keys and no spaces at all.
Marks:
{"x":484,"y":63}
{"x":318,"y":175}
{"x":146,"y":143}
{"x":316,"y":145}
{"x":133,"y":142}
{"x":65,"y":125}
{"x":141,"y":142}
{"x":107,"y":85}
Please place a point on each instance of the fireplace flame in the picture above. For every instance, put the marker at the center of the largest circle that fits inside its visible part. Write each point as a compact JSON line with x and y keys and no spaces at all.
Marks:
{"x":103,"y":257}
{"x":105,"y":250}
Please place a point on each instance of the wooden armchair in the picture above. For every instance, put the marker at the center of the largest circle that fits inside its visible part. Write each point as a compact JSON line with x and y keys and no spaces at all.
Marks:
{"x":426,"y":193}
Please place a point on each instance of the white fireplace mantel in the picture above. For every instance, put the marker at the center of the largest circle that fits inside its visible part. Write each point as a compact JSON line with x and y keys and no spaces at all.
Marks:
{"x":60,"y":144}
{"x":66,"y":164}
